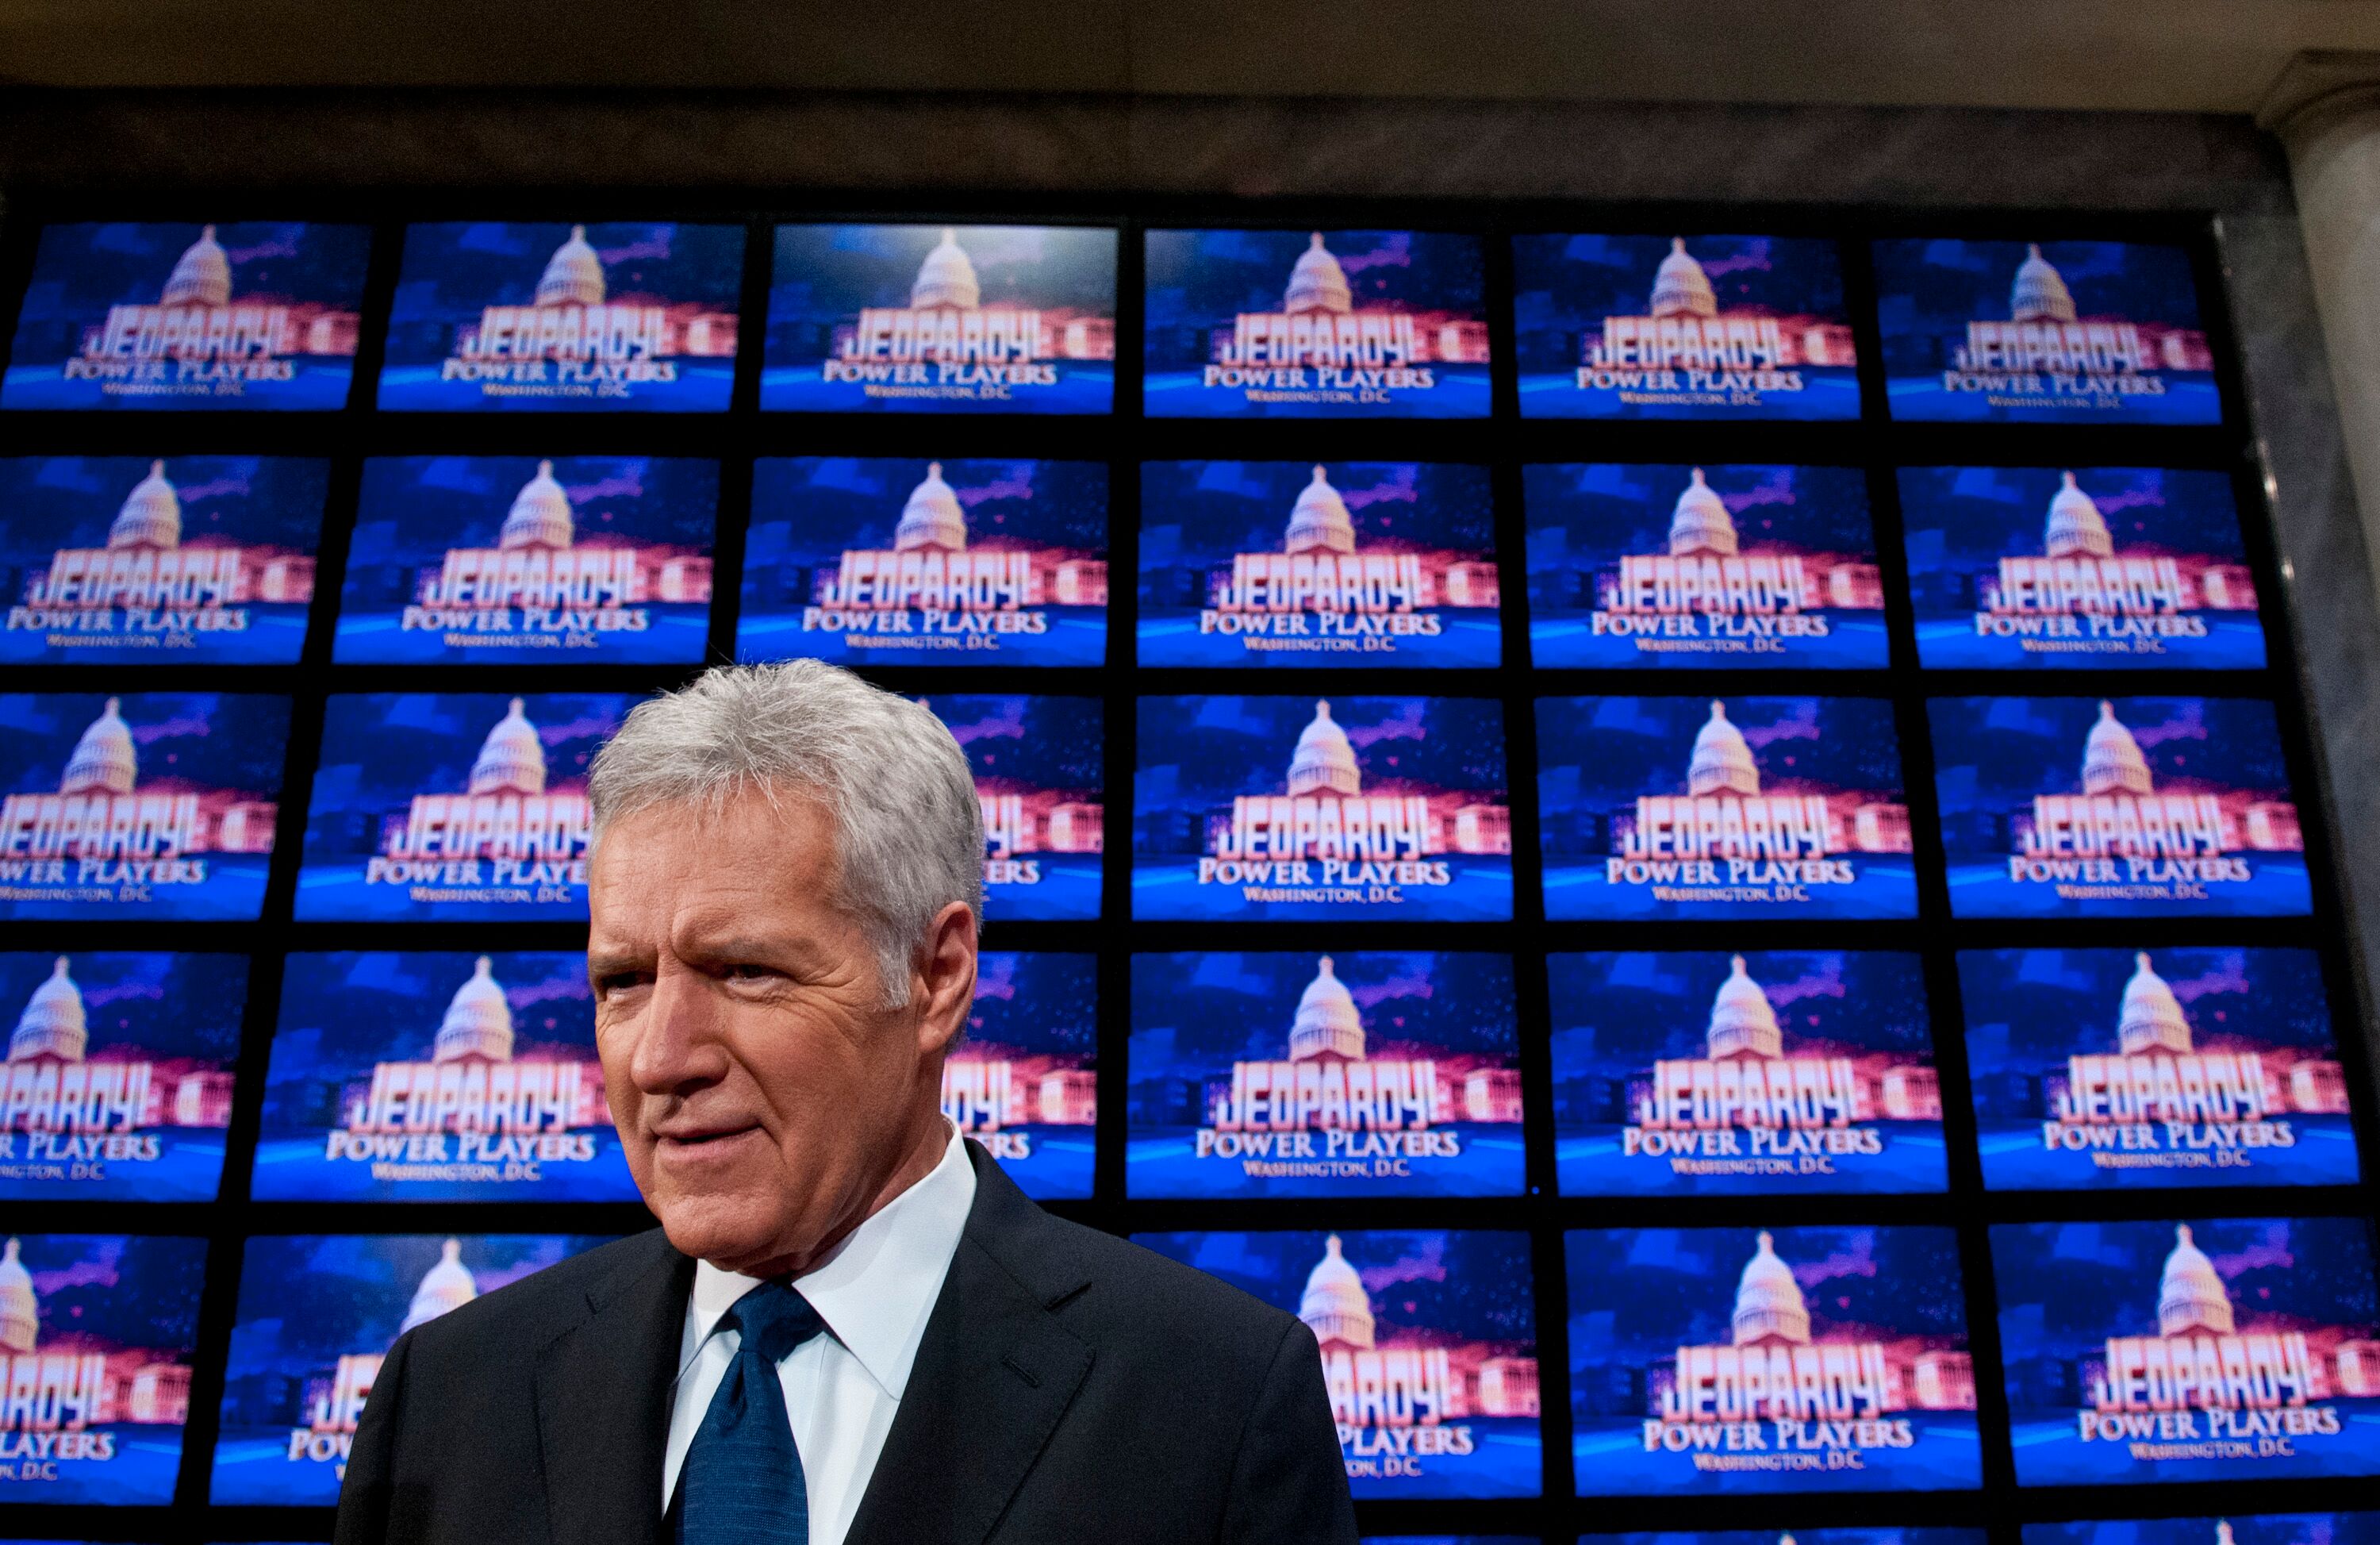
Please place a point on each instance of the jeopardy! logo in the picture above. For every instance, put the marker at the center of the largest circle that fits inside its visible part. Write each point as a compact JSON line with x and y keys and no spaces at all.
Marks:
{"x":197,"y":340}
{"x":117,"y":833}
{"x":1752,"y":1106}
{"x":1778,"y":1396}
{"x":2080,"y":595}
{"x":2158,"y":1103}
{"x":573,"y":341}
{"x":539,"y":587}
{"x":1328,"y":1109}
{"x":2203,"y":1388}
{"x":62,"y":1401}
{"x":2043,"y":351}
{"x":144,"y":588}
{"x":1321,"y":592}
{"x":504,"y":829}
{"x":75,"y":1115}
{"x":1706,"y":596}
{"x":931,"y":591}
{"x":1725,"y":831}
{"x":335,"y":1403}
{"x":2121,"y":833}
{"x":472,"y":1112}
{"x":1319,"y":341}
{"x":947,"y":343}
{"x":1403,"y":1399}
{"x":1682,"y":348}
{"x":1325,"y":839}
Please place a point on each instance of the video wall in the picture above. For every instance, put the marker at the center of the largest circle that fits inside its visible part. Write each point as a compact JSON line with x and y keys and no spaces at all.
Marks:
{"x":1695,"y":847}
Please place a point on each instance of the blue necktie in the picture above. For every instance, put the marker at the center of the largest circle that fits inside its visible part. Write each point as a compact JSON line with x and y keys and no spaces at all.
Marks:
{"x":742,"y":1483}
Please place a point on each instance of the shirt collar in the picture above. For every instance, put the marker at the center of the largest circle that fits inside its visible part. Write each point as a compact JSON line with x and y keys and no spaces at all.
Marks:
{"x":876,"y":1287}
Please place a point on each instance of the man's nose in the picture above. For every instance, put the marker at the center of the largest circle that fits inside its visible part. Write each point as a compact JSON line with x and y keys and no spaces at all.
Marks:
{"x":680,"y":1048}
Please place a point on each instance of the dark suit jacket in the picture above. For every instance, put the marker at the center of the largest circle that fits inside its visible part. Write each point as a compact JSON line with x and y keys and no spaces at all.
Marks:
{"x":1070,"y":1387}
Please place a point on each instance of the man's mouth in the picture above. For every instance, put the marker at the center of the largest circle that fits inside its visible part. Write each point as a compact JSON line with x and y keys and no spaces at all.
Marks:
{"x":695,"y":1140}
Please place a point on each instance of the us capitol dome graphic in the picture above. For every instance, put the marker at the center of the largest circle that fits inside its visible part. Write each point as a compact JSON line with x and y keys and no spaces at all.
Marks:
{"x":1328,"y":1025}
{"x":574,"y":275}
{"x":20,"y":1313}
{"x":1743,"y":1021}
{"x":540,"y":516}
{"x":511,"y":758}
{"x":2112,"y":762}
{"x":1700,"y":522}
{"x":2076,"y":526}
{"x":1335,"y":1307}
{"x":2192,"y":1296}
{"x":1681,"y":288}
{"x":933,"y":517}
{"x":2151,"y":1019}
{"x":54,"y":1024}
{"x":1324,"y":762}
{"x":479,"y":1022}
{"x":2039,"y":293}
{"x":201,"y":274}
{"x":151,"y":515}
{"x":1320,"y":521}
{"x":1318,"y":283}
{"x":946,"y":280}
{"x":447,"y":1286}
{"x":1722,"y":762}
{"x":1769,"y":1311}
{"x":104,"y":760}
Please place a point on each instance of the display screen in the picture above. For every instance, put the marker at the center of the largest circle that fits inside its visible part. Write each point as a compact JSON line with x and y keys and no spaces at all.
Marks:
{"x":102,"y":1331}
{"x":316,"y":1317}
{"x":2236,"y":1529}
{"x":454,"y":807}
{"x":1870,"y":1536}
{"x":2130,"y":807}
{"x":118,"y":559}
{"x":1429,"y":1348}
{"x":500,"y":316}
{"x":442,"y":1076}
{"x":1300,"y":808}
{"x":2039,"y":569}
{"x":1037,"y":764}
{"x":2098,"y":333}
{"x":506,"y":560}
{"x":1303,"y":564}
{"x":1772,"y":1073}
{"x":1024,"y":1082}
{"x":910,"y":562}
{"x":1698,"y":568}
{"x":2230,"y":1349}
{"x":1682,"y":327}
{"x":120,"y":1074}
{"x":2117,"y":1069}
{"x":1675,"y":809}
{"x":941,"y":319}
{"x":1716,"y":1361}
{"x":147,"y":805}
{"x":1362,"y":1072}
{"x":257,"y":315}
{"x":1314,"y":324}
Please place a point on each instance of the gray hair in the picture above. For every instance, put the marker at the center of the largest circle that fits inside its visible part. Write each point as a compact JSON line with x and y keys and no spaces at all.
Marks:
{"x":908,"y":834}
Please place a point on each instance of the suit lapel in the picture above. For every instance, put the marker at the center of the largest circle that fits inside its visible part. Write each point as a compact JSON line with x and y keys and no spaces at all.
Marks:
{"x":994,"y":1374}
{"x":603,"y":1402}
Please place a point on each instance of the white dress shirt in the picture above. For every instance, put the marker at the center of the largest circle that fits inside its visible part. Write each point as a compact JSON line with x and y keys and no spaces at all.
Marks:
{"x":844,"y":1388}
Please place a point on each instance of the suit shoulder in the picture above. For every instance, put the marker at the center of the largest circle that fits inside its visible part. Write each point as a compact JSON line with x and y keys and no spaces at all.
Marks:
{"x":1143,"y":1294}
{"x":525,"y":1314}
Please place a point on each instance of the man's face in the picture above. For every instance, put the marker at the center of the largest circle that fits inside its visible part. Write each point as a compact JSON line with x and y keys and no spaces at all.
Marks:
{"x":762,"y":1091}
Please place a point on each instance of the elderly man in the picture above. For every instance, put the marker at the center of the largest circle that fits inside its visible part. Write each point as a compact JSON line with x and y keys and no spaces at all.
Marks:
{"x":850,"y":1325}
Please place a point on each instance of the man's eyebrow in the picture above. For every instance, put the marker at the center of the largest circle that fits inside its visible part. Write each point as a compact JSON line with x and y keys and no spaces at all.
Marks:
{"x":605,"y":962}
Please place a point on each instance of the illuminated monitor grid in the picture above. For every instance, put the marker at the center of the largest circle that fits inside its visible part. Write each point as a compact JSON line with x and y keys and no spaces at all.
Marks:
{"x":1695,"y":846}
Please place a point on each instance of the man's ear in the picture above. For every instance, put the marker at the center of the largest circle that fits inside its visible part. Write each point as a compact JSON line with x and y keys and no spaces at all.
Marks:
{"x":945,"y":978}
